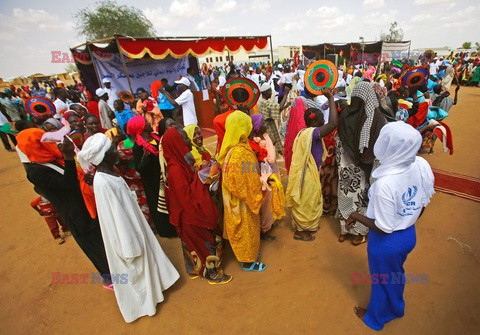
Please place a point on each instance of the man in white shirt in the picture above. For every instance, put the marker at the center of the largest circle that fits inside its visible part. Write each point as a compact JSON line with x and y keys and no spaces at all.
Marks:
{"x":60,"y":102}
{"x":341,"y":81}
{"x":105,"y":112}
{"x":255,"y":77}
{"x":278,"y":72}
{"x":185,"y":100}
{"x":287,"y":77}
{"x":433,"y":67}
{"x":221,"y":80}
{"x":191,"y":78}
{"x":112,"y":92}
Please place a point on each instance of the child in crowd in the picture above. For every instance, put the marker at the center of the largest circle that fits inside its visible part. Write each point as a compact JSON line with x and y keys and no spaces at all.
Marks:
{"x":46,"y":209}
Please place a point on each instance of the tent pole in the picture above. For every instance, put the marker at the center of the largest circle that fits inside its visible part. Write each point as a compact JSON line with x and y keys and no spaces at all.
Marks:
{"x":271,"y":49}
{"x":124,"y":65}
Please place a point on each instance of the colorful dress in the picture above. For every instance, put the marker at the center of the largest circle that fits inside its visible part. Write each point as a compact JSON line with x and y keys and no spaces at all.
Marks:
{"x":127,"y":171}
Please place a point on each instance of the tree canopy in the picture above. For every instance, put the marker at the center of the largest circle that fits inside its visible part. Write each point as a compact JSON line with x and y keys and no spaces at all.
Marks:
{"x":71,"y":68}
{"x":395,"y":34}
{"x":467,"y":45}
{"x":108,"y":18}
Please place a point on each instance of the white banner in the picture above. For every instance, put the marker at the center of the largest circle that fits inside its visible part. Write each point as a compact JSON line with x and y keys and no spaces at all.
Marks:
{"x":141,"y":72}
{"x":392,"y":50}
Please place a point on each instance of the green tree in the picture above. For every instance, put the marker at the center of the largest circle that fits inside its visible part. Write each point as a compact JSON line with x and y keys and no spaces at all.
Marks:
{"x":467,"y":45}
{"x":395,"y":34}
{"x":109,"y":18}
{"x":477,"y":45}
{"x":71,"y":68}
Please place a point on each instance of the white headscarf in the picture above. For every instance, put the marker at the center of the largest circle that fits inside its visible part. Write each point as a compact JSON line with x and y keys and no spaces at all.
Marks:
{"x":93,"y":150}
{"x":396,"y":148}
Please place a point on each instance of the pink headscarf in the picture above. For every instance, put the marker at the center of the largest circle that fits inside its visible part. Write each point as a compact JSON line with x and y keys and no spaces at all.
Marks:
{"x":135,"y":127}
{"x":369,"y":73}
{"x":296,"y":122}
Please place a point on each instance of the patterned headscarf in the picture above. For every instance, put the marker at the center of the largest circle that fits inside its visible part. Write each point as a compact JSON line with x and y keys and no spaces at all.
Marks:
{"x":135,"y":127}
{"x":364,"y":90}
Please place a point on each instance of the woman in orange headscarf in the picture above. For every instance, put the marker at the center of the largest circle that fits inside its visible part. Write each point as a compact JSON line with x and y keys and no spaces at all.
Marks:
{"x":55,"y":176}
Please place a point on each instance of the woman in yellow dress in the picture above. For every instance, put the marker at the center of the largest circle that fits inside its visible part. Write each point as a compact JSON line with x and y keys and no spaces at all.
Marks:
{"x":242,"y":192}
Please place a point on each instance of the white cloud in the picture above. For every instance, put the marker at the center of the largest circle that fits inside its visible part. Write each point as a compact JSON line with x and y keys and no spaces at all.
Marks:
{"x":185,"y":8}
{"x":323,"y":12}
{"x":24,"y":20}
{"x":430,"y":2}
{"x":373,"y":3}
{"x":260,"y":5}
{"x":381,"y":19}
{"x":420,"y":18}
{"x":159,"y":19}
{"x":329,"y":17}
{"x":206,"y":24}
{"x":464,"y":18}
{"x":224,"y":6}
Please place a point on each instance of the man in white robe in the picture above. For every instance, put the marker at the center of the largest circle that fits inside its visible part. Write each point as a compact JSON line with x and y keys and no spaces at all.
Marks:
{"x":130,"y":244}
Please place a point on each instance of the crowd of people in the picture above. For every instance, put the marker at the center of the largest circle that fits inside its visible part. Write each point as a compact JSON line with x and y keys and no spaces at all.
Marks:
{"x":114,"y":168}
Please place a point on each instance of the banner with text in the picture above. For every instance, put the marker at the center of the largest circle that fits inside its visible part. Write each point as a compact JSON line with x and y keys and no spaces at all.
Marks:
{"x":141,"y":72}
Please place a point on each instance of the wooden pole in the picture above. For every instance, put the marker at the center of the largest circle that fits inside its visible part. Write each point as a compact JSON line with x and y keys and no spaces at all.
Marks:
{"x":271,"y":48}
{"x":124,"y":65}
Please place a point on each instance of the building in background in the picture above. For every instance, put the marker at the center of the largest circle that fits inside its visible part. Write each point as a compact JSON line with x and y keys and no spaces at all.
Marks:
{"x":288,"y":52}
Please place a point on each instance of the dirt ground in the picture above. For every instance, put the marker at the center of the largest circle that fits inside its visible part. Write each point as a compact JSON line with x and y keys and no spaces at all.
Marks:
{"x":307,"y":288}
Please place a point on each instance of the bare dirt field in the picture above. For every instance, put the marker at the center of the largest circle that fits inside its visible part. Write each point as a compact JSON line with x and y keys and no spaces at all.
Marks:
{"x":307,"y":288}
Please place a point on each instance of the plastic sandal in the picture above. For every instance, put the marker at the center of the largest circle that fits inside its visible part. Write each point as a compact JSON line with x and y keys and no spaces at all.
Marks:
{"x":222,"y":281}
{"x":108,"y":287}
{"x":259,"y":267}
{"x":356,"y":241}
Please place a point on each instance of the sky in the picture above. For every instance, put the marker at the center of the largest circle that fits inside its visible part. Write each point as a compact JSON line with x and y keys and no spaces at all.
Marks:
{"x":31,"y":30}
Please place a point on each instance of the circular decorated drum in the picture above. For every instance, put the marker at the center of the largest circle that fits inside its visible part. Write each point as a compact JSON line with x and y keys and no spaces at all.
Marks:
{"x":320,"y":74}
{"x":40,"y":107}
{"x":241,"y":92}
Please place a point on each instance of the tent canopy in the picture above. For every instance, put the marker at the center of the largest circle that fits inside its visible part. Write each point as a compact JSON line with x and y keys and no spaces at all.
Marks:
{"x":161,"y":47}
{"x":372,"y":51}
{"x":133,"y":61}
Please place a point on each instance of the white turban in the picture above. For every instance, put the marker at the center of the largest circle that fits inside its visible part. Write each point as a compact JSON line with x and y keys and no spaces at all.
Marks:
{"x":93,"y":150}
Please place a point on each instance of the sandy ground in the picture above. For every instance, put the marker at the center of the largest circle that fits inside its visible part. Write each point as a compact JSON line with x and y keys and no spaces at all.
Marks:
{"x":307,"y":288}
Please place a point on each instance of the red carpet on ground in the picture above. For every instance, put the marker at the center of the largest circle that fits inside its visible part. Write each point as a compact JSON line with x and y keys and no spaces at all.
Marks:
{"x":207,"y":132}
{"x":460,"y":185}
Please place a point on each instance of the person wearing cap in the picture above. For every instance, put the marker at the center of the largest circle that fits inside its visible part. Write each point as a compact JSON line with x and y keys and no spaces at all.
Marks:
{"x":185,"y":100}
{"x":278,"y":72}
{"x":36,"y":91}
{"x":270,"y":110}
{"x":254,"y":75}
{"x":112,"y":92}
{"x":105,"y":112}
